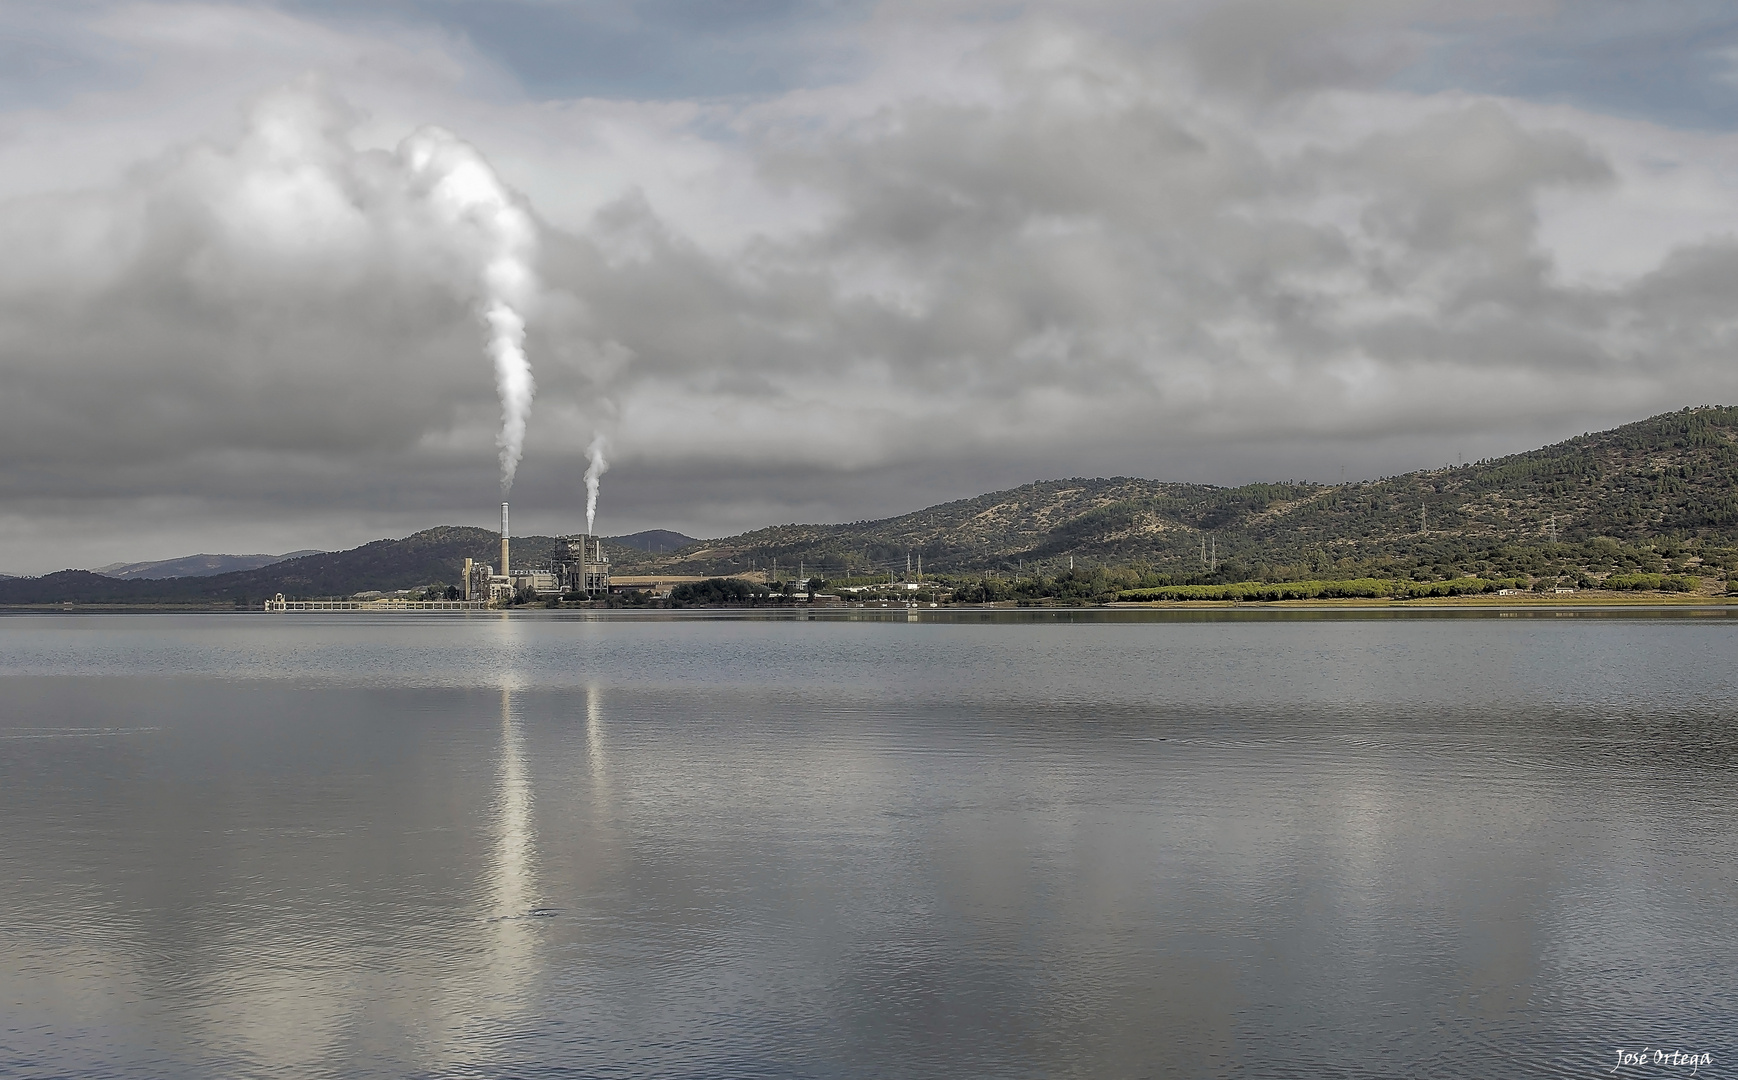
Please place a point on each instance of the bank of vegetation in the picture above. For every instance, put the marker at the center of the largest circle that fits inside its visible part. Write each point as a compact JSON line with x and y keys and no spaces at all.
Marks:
{"x":1359,"y":588}
{"x":1651,"y":505}
{"x":1659,"y":496}
{"x":738,"y":592}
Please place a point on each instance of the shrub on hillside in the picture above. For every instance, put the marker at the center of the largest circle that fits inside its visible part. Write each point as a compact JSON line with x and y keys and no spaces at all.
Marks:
{"x":1367,"y":588}
{"x":1659,"y":582}
{"x":717,"y":591}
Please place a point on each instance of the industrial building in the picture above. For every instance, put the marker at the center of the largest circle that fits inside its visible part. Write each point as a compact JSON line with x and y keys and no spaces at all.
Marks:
{"x":580,"y":566}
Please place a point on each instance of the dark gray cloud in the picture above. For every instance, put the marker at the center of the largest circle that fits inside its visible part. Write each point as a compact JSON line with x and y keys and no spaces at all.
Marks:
{"x":1222,"y":247}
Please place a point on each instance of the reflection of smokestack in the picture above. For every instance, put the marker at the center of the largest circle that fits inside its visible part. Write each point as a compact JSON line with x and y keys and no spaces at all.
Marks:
{"x":504,"y":540}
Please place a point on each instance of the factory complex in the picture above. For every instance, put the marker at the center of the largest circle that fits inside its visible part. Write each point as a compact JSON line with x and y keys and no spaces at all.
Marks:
{"x":578,"y":569}
{"x":580,"y":566}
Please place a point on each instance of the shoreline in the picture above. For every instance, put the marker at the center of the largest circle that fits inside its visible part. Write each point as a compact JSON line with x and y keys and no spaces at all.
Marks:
{"x":1465,"y":604}
{"x":1603,"y":600}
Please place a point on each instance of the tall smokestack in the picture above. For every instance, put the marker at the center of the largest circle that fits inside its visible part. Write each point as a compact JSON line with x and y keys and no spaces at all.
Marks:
{"x":504,"y":535}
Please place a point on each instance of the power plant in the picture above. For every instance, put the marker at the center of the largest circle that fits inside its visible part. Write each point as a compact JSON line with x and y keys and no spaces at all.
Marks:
{"x":579,"y":566}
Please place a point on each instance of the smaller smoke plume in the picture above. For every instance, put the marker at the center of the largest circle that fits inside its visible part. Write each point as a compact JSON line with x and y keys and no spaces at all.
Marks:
{"x":598,"y":466}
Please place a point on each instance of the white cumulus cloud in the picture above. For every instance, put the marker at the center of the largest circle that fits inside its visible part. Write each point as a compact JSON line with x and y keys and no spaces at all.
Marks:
{"x":1182,"y":244}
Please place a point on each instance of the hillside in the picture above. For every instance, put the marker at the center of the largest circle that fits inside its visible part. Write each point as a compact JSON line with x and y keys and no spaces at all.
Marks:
{"x":1659,"y":495}
{"x":652,"y":540}
{"x":195,"y":565}
{"x":433,"y":556}
{"x":1672,"y":476}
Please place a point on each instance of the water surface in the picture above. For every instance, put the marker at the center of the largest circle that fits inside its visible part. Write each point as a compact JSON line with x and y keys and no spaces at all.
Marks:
{"x":1009,"y":846}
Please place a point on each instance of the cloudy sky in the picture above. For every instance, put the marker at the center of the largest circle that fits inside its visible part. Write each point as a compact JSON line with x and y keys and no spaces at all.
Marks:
{"x":828,"y":260}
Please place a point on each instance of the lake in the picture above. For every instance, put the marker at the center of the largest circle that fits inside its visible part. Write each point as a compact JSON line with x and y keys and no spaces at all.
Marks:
{"x":1045,"y":844}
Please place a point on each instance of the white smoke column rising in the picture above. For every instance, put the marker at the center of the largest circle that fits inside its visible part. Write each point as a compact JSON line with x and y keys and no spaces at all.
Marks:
{"x":465,"y":191}
{"x":598,"y":466}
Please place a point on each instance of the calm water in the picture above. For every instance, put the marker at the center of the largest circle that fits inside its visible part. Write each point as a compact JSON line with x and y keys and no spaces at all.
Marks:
{"x":1024,"y":846}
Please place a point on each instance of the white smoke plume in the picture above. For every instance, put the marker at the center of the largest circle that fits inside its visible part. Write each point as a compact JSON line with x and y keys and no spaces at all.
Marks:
{"x":598,"y":466}
{"x":468,"y":193}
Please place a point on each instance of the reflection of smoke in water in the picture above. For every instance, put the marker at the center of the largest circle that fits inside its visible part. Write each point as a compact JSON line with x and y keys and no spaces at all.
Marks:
{"x":594,"y":748}
{"x":514,"y":879}
{"x":495,"y":981}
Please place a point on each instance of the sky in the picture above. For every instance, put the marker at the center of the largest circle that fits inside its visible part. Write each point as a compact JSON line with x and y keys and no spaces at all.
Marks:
{"x":782,"y":261}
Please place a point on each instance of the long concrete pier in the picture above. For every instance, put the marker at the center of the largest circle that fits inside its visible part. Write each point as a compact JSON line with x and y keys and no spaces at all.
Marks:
{"x":278,"y":603}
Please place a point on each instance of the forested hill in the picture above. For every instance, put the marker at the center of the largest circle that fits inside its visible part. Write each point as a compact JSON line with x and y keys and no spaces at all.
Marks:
{"x":1658,"y":494}
{"x":433,"y":556}
{"x":1672,"y":477}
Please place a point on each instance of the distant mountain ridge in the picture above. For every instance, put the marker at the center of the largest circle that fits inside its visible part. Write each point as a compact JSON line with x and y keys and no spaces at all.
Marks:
{"x":431,"y":557}
{"x":1665,"y":481}
{"x":197,"y":565}
{"x":654,"y":541}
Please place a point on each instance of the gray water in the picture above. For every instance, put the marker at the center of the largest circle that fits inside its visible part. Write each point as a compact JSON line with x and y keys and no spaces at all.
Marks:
{"x":984,"y":846}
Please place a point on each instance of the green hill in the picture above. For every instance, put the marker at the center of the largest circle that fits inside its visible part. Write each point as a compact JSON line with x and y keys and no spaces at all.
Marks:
{"x":1667,"y":483}
{"x":1656,"y":496}
{"x":433,"y":556}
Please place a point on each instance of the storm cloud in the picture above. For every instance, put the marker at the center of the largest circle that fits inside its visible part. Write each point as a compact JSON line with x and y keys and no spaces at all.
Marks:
{"x":1218,"y":245}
